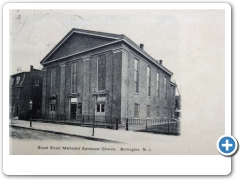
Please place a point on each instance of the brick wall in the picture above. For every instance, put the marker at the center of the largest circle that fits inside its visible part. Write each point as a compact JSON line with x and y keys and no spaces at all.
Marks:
{"x":28,"y":91}
{"x":119,"y":83}
{"x":142,"y":98}
{"x":36,"y":90}
{"x":118,"y":78}
{"x":25,"y":95}
{"x":87,"y":82}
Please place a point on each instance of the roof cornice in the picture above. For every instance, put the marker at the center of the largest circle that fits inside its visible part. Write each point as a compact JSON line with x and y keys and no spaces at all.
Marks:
{"x":82,"y":52}
{"x":172,"y":83}
{"x":79,"y":32}
{"x":151,"y":60}
{"x":118,"y":38}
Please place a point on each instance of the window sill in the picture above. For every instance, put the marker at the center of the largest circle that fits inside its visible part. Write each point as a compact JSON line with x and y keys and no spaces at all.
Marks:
{"x":136,"y":93}
{"x":73,"y":95}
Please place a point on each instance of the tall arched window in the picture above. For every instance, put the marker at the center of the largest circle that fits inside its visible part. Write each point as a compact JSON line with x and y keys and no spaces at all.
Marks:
{"x":101,"y":72}
{"x":74,"y":78}
{"x":53,"y":81}
{"x":149,"y":81}
{"x":158,"y":78}
{"x":165,"y":88}
{"x":136,"y":75}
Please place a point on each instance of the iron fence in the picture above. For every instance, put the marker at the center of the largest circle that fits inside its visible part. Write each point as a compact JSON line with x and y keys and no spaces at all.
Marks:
{"x":163,"y":125}
{"x":159,"y":125}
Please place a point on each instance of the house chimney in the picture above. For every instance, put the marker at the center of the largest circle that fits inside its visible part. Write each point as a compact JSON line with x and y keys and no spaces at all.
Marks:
{"x":19,"y":69}
{"x":31,"y":67}
{"x":141,"y":46}
{"x":160,"y":61}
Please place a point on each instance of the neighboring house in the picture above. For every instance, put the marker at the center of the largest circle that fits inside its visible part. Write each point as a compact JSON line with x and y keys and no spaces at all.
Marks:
{"x":178,"y":107}
{"x":25,"y":86}
{"x":107,"y":74}
{"x":173,"y":101}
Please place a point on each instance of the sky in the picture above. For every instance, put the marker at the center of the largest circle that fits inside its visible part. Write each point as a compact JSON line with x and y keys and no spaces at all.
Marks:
{"x":34,"y":33}
{"x":171,"y":36}
{"x":190,"y":43}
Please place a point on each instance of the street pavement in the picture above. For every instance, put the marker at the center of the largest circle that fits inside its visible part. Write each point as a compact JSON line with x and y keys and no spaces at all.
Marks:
{"x":28,"y":134}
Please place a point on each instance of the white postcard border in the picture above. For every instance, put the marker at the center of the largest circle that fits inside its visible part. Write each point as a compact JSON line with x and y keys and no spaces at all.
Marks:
{"x":115,"y":164}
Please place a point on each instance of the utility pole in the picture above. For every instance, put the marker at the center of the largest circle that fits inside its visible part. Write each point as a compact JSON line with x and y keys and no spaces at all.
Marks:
{"x":30,"y":113}
{"x":93,"y":121}
{"x":94,"y":106}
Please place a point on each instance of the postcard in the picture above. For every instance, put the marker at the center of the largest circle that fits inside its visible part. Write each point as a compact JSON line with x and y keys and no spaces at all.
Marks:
{"x":135,"y":81}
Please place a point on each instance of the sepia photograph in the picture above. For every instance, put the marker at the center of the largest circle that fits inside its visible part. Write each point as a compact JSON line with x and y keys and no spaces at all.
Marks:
{"x":116,"y":82}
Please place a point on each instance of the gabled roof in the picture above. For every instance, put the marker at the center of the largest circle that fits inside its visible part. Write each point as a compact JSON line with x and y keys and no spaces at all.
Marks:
{"x":115,"y":39}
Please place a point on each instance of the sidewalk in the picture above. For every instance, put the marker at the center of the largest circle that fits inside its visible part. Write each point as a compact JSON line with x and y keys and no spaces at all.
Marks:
{"x":101,"y":134}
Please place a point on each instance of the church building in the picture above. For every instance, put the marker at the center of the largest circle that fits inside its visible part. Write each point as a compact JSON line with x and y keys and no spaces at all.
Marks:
{"x":105,"y":74}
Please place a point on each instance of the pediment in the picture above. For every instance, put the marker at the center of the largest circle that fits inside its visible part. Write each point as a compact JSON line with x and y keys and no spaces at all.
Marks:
{"x":76,"y":43}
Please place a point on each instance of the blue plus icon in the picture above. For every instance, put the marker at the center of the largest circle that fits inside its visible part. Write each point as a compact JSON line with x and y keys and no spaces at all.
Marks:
{"x":227,"y":145}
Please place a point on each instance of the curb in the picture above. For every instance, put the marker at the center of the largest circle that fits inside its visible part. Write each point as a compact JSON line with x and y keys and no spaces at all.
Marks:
{"x":66,"y":134}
